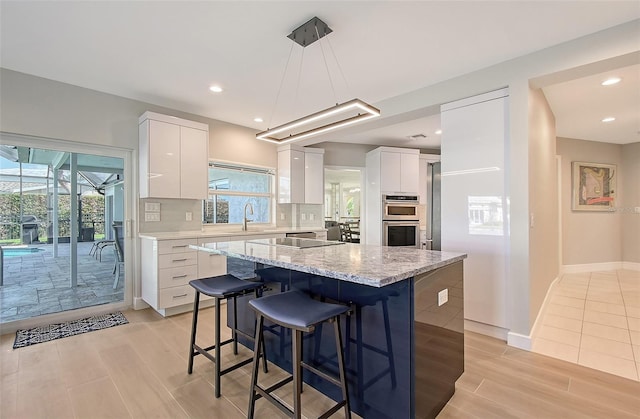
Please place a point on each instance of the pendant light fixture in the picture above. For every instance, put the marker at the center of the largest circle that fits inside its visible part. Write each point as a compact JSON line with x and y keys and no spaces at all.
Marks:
{"x":338,"y":116}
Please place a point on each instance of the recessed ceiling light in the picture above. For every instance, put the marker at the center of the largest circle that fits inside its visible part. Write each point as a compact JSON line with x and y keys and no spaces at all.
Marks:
{"x":215,"y":89}
{"x":258,"y":119}
{"x":609,"y":119}
{"x":610,"y":81}
{"x":438,"y":132}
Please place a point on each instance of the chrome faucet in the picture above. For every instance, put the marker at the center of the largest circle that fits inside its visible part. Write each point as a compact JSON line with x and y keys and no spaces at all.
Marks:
{"x":245,"y":220}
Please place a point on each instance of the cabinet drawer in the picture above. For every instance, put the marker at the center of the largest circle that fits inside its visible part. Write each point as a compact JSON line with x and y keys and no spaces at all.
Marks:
{"x":176,"y":296}
{"x":210,"y":264}
{"x":173,"y":277}
{"x":175,"y":260}
{"x":173,"y":246}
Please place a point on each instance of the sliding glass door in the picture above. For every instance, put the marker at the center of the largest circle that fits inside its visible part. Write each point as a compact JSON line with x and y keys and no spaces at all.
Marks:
{"x":59,"y":212}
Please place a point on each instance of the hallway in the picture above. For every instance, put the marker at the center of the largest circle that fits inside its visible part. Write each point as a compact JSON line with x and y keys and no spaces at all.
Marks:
{"x":593,"y":319}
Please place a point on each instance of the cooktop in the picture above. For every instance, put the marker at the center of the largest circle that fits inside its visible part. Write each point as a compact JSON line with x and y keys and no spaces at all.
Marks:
{"x":296,"y":242}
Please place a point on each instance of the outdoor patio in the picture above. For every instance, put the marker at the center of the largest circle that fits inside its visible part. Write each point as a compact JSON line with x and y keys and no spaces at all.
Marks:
{"x":37,"y":283}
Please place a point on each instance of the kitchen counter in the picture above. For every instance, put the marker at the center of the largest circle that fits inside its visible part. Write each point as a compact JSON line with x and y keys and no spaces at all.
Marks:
{"x":376,"y":266}
{"x":404,"y":337}
{"x":255,"y":231}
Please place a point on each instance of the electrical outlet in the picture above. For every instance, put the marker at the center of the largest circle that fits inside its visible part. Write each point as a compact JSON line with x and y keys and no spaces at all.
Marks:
{"x":152,"y":206}
{"x":152,"y":216}
{"x":443,"y":296}
{"x":189,"y":216}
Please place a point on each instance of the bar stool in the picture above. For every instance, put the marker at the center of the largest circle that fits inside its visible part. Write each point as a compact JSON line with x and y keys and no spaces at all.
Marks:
{"x":300,"y":313}
{"x":221,"y":287}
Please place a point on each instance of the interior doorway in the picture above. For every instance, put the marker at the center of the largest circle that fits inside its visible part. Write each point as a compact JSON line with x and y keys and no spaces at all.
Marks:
{"x":343,"y":195}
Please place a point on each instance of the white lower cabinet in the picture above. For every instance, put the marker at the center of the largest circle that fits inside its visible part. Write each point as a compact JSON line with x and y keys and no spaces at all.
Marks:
{"x":210,"y":264}
{"x":169,"y":265}
{"x":167,"y":268}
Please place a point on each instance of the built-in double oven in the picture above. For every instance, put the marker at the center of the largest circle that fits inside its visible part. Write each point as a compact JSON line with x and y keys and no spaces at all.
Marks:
{"x":400,"y":220}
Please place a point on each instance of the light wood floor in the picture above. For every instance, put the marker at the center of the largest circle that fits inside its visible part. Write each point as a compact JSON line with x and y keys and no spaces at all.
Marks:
{"x":139,"y":370}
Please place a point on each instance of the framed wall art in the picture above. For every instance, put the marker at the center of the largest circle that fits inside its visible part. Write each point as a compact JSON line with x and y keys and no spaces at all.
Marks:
{"x":594,"y":186}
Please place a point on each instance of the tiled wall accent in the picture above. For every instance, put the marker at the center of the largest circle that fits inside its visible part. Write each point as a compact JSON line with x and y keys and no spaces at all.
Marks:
{"x":299,"y":215}
{"x":172,"y":215}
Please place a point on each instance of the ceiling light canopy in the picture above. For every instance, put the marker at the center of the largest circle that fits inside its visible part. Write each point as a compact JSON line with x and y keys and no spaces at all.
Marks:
{"x":609,"y":119}
{"x":215,"y":89}
{"x":338,"y":116}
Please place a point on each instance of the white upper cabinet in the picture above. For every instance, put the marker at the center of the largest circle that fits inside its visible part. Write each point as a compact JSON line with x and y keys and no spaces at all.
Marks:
{"x":194,"y":163}
{"x":300,"y":175}
{"x":174,"y":156}
{"x":397,"y":169}
{"x":409,"y":172}
{"x":314,"y":176}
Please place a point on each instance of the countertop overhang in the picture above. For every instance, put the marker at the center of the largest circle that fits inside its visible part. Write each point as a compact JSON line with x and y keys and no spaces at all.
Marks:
{"x":376,"y":266}
{"x":171,"y":235}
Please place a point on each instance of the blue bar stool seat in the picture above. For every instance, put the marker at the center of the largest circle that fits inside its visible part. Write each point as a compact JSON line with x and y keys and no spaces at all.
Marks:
{"x":300,"y":313}
{"x":221,"y":288}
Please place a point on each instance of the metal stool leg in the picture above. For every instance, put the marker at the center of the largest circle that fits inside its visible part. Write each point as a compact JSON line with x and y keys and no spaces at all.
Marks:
{"x":194,"y":325}
{"x":259,"y":342}
{"x":296,"y":347}
{"x":217,"y":349}
{"x":341,"y":368}
{"x":234,"y":334}
{"x":387,"y":329}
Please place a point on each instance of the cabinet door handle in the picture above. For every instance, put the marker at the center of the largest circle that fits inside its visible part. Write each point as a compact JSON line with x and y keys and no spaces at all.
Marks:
{"x":179,"y":276}
{"x":179,"y":296}
{"x":177,"y":247}
{"x":179,"y":260}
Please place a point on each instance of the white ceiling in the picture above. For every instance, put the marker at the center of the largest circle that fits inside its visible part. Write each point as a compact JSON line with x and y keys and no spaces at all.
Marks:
{"x":169,"y":52}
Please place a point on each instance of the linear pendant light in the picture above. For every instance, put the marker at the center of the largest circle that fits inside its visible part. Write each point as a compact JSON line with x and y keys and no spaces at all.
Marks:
{"x":363,"y":111}
{"x":329,"y":119}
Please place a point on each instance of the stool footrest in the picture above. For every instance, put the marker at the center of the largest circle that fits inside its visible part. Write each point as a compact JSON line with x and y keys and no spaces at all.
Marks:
{"x":236,"y":366}
{"x":333,"y":410}
{"x":321,"y":374}
{"x":261,"y":392}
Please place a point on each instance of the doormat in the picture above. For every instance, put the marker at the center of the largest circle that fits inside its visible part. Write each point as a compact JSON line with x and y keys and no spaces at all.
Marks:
{"x":26,"y":337}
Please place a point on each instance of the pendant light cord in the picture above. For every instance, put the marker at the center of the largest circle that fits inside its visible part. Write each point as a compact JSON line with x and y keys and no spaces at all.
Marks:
{"x":281,"y":83}
{"x":335,"y":98}
{"x":344,"y":79}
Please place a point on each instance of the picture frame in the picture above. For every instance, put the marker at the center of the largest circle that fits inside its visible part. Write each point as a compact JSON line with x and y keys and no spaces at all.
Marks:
{"x":593,"y":186}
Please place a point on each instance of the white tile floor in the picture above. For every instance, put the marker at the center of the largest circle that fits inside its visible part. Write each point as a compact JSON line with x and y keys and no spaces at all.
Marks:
{"x":593,"y":319}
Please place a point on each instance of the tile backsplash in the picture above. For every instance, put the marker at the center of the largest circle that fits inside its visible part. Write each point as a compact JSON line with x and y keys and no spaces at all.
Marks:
{"x":173,"y":215}
{"x":299,"y":215}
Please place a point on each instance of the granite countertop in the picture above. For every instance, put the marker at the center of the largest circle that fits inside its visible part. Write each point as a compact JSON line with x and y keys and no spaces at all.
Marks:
{"x":375,"y":266}
{"x":171,"y":235}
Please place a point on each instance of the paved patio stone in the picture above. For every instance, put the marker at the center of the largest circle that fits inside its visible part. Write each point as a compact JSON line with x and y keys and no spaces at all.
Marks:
{"x":39,"y":283}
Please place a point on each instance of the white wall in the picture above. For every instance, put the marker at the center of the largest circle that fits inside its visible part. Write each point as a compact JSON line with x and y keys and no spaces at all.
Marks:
{"x":45,"y":108}
{"x":543,"y":202}
{"x":629,"y":202}
{"x":40,"y":107}
{"x":589,"y":236}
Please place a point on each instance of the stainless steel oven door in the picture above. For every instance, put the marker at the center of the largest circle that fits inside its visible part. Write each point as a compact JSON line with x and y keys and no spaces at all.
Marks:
{"x":401,"y":233}
{"x":400,"y":211}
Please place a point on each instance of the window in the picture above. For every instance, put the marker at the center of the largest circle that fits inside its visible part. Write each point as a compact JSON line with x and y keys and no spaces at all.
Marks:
{"x":231,"y":187}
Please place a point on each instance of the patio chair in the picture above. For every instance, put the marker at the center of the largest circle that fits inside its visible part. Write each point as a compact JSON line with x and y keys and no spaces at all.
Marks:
{"x":96,"y":249}
{"x":118,"y":250}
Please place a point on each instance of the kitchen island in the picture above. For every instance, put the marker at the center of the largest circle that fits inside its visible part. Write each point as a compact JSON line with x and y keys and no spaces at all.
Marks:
{"x":404,"y":339}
